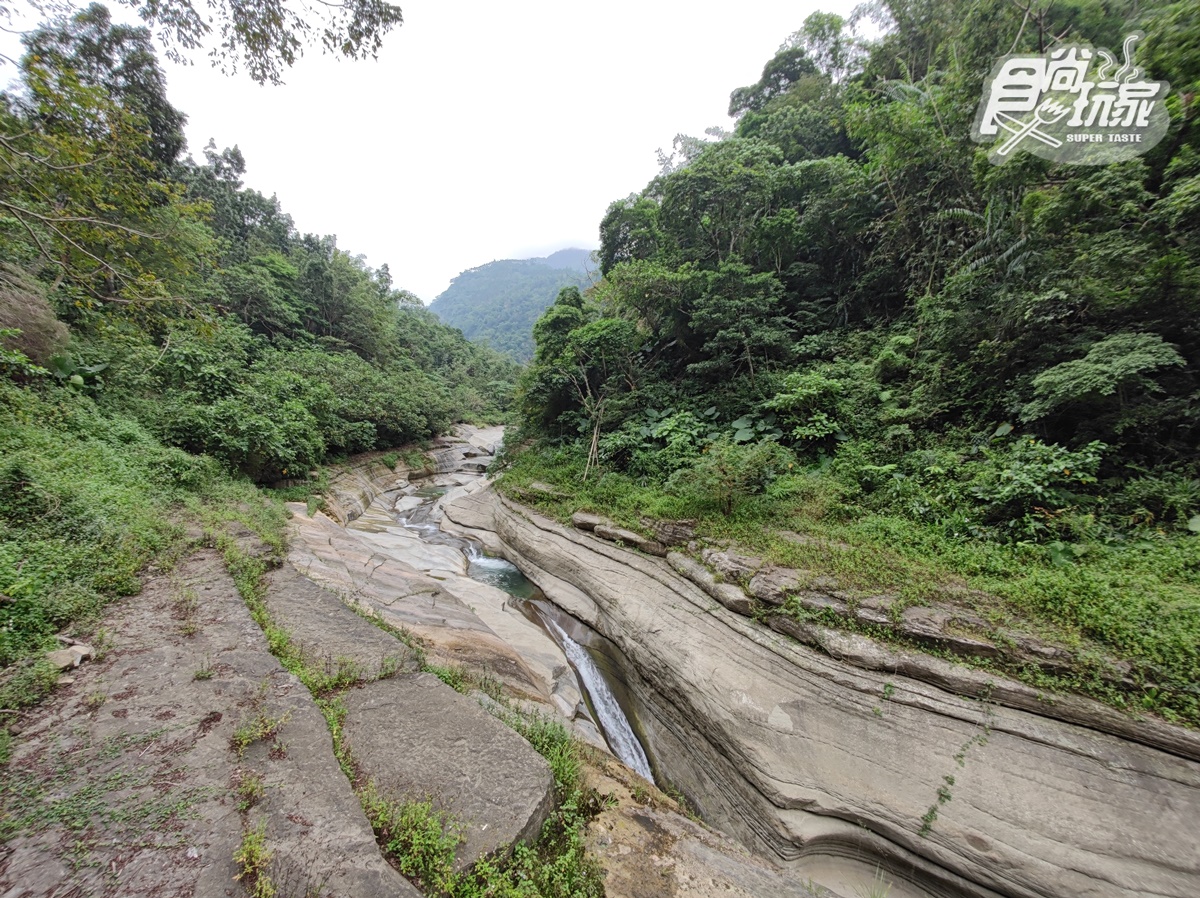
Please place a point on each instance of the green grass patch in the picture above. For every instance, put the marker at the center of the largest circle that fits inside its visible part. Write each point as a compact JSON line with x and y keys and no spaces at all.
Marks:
{"x":88,"y":500}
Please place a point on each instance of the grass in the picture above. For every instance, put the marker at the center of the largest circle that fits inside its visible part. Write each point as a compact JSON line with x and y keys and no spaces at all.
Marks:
{"x":88,"y":501}
{"x":1134,"y":600}
{"x":249,"y":789}
{"x":253,"y":857}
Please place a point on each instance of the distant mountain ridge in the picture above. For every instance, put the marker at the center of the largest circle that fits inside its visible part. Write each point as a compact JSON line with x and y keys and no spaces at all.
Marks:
{"x":500,"y":301}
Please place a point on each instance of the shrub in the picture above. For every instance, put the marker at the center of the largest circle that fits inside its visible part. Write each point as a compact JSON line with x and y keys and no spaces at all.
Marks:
{"x":728,"y":472}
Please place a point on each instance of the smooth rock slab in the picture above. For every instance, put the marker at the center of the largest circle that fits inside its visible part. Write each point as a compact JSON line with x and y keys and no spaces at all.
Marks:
{"x":418,"y":739}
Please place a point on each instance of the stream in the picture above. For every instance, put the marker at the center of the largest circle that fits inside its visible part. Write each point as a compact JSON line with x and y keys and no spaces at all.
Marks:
{"x":591,"y":656}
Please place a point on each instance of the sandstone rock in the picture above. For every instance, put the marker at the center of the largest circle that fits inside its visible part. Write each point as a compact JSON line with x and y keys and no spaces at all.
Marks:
{"x":732,"y":597}
{"x":733,"y":566}
{"x":629,"y":538}
{"x":585,"y":521}
{"x":417,"y":738}
{"x":773,"y":585}
{"x":170,"y":747}
{"x":796,"y":750}
{"x":672,"y":533}
{"x":329,"y":634}
{"x":82,"y":652}
{"x":63,"y":659}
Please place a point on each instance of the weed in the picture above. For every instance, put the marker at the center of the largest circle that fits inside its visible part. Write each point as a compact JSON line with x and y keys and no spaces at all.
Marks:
{"x":205,"y":670}
{"x":878,"y":888}
{"x":249,"y":790}
{"x":253,"y":857}
{"x":454,"y":676}
{"x":254,"y":729}
{"x":421,"y":839}
{"x":640,"y":794}
{"x":94,"y":701}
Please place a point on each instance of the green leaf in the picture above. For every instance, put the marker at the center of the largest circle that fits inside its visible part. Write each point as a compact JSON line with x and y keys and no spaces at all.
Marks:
{"x":1194,"y":524}
{"x":1003,"y":430}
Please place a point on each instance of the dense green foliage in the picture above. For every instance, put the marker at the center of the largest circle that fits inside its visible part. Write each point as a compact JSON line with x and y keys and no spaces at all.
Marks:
{"x":844,"y":298}
{"x":166,"y":335}
{"x":498,"y":303}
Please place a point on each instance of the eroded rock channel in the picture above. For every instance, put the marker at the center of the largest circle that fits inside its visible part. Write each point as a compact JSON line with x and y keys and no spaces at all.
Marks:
{"x":857,"y":768}
{"x":910,"y":770}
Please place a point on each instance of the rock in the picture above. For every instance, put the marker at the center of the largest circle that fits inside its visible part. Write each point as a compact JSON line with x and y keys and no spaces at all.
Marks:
{"x":773,"y":585}
{"x":408,"y":503}
{"x":733,"y":566}
{"x":819,"y":601}
{"x":328,"y":633}
{"x":63,"y":659}
{"x":629,"y":538}
{"x":796,"y":750}
{"x":732,"y":597}
{"x":169,"y":749}
{"x":81,"y":652}
{"x":417,"y":738}
{"x":589,"y":522}
{"x":872,"y":617}
{"x":672,"y":533}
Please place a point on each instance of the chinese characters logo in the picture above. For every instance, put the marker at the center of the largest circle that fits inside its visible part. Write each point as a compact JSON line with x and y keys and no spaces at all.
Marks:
{"x":1073,"y":104}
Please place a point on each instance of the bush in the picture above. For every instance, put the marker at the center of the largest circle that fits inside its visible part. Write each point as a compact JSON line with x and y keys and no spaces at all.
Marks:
{"x":728,"y":472}
{"x":1023,"y":483}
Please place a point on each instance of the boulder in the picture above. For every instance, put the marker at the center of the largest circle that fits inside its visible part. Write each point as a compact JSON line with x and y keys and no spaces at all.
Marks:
{"x":417,"y":739}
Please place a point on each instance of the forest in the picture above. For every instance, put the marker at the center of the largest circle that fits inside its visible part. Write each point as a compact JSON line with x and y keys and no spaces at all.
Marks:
{"x":169,"y":339}
{"x":843,"y":319}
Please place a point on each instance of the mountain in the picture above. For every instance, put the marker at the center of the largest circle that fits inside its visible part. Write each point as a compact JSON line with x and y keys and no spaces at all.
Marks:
{"x":499,"y":302}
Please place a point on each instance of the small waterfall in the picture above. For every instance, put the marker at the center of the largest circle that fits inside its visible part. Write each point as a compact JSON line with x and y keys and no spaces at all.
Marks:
{"x":612,"y":719}
{"x":506,"y":576}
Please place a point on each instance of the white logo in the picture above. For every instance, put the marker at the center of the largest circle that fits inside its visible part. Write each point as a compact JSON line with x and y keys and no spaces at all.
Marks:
{"x":1072,"y":104}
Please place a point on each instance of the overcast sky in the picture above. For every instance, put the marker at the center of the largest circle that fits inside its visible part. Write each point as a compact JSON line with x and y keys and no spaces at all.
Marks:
{"x":486,"y":130}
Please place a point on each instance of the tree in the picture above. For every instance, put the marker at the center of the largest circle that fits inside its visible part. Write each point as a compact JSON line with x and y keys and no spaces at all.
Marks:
{"x":120,"y":60}
{"x":268,"y":36}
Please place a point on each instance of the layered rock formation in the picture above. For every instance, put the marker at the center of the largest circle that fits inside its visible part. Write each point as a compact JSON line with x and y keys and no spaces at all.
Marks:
{"x":854,"y":758}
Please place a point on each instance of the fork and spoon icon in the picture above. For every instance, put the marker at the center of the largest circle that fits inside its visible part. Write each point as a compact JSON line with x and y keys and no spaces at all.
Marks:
{"x":1049,"y":112}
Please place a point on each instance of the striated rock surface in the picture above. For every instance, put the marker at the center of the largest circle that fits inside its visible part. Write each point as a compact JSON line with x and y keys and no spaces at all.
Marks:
{"x":952,"y":781}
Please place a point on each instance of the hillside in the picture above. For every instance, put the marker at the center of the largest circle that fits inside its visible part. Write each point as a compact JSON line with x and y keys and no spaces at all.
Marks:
{"x":499,"y":302}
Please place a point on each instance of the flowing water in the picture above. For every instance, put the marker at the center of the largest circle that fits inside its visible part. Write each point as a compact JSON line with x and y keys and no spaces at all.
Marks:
{"x":586,"y":656}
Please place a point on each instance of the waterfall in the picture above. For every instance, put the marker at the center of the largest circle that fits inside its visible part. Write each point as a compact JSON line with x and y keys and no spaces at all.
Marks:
{"x":506,"y":576}
{"x":612,"y":720}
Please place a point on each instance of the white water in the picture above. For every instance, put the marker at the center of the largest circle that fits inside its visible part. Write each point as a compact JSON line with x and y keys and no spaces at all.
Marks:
{"x":612,"y":720}
{"x":506,"y":576}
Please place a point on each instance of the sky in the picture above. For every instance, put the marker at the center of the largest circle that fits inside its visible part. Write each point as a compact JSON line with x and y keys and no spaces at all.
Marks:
{"x":485,"y":130}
